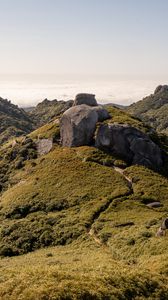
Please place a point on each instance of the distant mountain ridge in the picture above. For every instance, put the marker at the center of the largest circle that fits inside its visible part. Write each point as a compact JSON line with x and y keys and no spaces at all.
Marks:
{"x":153,"y":109}
{"x":47,"y":110}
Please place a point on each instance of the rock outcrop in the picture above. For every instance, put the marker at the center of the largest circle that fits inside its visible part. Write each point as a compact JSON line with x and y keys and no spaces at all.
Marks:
{"x":161,"y":89}
{"x":153,"y":109}
{"x":88,"y":99}
{"x":130,"y":143}
{"x":77,"y":126}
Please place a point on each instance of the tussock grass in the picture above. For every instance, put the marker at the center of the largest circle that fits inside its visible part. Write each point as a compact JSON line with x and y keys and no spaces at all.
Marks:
{"x":81,"y":270}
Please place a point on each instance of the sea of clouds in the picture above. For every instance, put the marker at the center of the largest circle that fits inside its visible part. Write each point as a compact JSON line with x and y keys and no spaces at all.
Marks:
{"x":25,"y":92}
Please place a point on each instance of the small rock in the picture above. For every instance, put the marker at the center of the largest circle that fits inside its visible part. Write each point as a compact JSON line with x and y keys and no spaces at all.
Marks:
{"x":44,"y":146}
{"x":160,"y":232}
{"x":164,"y":225}
{"x":125,"y":224}
{"x":154,"y":204}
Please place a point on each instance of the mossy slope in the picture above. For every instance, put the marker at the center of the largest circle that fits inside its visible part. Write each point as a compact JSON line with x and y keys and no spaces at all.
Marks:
{"x":47,"y":214}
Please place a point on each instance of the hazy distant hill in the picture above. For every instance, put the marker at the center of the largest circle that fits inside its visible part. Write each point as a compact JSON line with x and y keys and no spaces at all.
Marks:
{"x":153,"y":109}
{"x":47,"y":110}
{"x":29,"y":108}
{"x":14,"y":121}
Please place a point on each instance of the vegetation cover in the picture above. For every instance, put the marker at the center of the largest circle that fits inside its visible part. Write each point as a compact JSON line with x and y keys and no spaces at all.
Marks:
{"x":153,"y":109}
{"x":75,"y":223}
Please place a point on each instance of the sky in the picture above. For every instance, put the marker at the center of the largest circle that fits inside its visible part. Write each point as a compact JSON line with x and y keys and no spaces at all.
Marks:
{"x":119,"y":39}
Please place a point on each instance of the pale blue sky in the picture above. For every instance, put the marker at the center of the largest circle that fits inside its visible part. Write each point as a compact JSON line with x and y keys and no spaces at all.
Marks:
{"x":101,"y":37}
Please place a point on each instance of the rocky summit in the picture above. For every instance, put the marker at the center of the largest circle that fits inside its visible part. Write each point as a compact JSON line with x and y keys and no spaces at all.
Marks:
{"x":78,"y":127}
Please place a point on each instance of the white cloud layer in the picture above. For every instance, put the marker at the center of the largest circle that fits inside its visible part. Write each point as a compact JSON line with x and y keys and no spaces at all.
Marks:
{"x":27,"y":93}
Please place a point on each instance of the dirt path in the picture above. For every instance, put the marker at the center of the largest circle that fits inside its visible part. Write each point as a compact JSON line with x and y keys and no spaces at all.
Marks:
{"x":121,"y":171}
{"x":91,"y":231}
{"x":93,"y":235}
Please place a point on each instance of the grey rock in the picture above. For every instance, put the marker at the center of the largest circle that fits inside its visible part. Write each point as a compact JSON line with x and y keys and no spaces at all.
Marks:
{"x":160,"y":232}
{"x":154,"y":204}
{"x":77,"y":126}
{"x":164,"y":225}
{"x":44,"y":146}
{"x":102,"y":113}
{"x":125,"y":224}
{"x":129,"y":143}
{"x":88,"y":99}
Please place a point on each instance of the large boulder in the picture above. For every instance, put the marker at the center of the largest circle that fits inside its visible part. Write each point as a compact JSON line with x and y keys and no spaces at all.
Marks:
{"x":129,"y":143}
{"x":88,"y":99}
{"x":102,"y":113}
{"x":77,"y":126}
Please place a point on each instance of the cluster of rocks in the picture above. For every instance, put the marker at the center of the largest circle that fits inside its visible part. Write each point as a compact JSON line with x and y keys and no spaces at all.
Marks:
{"x":78,"y":127}
{"x":130,"y":143}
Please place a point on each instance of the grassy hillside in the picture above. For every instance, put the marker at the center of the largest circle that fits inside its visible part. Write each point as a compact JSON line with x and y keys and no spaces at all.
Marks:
{"x":16,"y":122}
{"x":153,"y":109}
{"x":55,"y":205}
{"x":73,"y":225}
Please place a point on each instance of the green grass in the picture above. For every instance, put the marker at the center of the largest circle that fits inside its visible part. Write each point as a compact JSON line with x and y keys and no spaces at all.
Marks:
{"x":53,"y":206}
{"x":57,"y":190}
{"x":153,"y":110}
{"x":122,"y":117}
{"x":50,"y":205}
{"x":81,"y":270}
{"x":49,"y":130}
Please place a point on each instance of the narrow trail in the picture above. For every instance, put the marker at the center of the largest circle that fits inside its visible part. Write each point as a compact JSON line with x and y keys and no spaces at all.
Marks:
{"x":121,"y":171}
{"x":91,"y":231}
{"x":93,"y":235}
